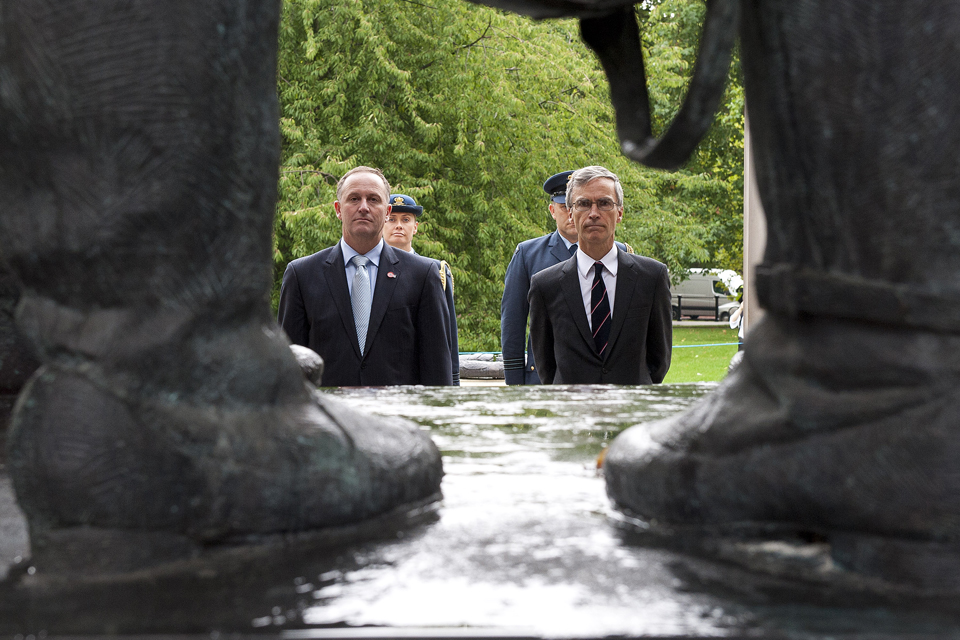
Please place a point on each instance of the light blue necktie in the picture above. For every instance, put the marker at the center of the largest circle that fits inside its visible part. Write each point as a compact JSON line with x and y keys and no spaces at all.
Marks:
{"x":360,"y":298}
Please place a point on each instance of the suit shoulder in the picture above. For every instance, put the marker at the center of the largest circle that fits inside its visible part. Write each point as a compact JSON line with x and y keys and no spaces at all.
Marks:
{"x":414,"y":260}
{"x":649,"y":263}
{"x":420,"y":268}
{"x":554,"y":272}
{"x":319,"y":256}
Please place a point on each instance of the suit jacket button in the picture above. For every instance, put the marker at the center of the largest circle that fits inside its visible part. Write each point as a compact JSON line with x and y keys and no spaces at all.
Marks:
{"x":604,"y":370}
{"x":363,"y":365}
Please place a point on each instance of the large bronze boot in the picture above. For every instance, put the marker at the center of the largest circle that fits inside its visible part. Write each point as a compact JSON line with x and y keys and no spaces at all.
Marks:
{"x":843,"y":423}
{"x":139,"y":150}
{"x":830,"y":431}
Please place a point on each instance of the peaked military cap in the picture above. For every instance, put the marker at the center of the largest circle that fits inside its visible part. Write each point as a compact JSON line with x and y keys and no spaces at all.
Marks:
{"x":400,"y":203}
{"x":556,"y":186}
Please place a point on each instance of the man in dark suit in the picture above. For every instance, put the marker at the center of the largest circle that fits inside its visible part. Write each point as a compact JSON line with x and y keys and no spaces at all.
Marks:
{"x":375,"y":315}
{"x":604,"y":315}
{"x":529,"y":258}
{"x":402,"y":224}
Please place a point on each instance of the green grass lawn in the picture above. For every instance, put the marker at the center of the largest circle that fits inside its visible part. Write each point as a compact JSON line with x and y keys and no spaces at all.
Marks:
{"x":701,"y":364}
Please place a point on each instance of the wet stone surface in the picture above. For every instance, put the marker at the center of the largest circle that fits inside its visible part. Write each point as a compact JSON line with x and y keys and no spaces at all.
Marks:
{"x":523,"y":540}
{"x":524,"y":543}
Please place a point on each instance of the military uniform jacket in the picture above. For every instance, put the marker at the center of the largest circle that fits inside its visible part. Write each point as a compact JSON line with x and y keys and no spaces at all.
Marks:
{"x":446,"y":280}
{"x":408,"y":320}
{"x":641,"y":336}
{"x":529,"y":258}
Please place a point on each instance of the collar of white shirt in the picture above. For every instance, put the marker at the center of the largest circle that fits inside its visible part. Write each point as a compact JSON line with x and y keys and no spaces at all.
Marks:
{"x":585,"y":262}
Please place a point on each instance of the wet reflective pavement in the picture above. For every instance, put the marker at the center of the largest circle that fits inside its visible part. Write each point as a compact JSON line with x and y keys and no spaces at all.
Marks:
{"x":523,"y":540}
{"x":524,"y":543}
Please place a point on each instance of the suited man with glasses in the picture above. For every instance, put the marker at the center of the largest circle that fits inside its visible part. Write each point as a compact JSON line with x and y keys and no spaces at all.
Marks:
{"x":603,"y":316}
{"x":529,"y":258}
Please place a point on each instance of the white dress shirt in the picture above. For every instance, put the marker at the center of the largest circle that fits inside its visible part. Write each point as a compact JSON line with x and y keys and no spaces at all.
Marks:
{"x":372,"y":266}
{"x":585,"y":271}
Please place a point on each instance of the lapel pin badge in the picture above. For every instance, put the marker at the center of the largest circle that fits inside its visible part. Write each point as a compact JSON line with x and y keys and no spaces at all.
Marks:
{"x":391,"y":274}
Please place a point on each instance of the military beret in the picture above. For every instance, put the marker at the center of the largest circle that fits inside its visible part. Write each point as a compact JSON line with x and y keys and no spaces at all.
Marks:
{"x":556,"y":186}
{"x":400,"y":203}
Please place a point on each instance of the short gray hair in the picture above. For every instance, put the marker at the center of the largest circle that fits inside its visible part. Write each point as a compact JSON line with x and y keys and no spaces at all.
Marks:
{"x":363,"y":169}
{"x":581,"y":177}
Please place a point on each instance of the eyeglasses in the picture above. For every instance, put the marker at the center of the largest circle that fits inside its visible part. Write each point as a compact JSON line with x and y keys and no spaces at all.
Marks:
{"x":603,"y":204}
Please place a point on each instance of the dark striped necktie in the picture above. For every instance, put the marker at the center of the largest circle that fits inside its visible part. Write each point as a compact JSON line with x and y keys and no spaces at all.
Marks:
{"x":600,"y":310}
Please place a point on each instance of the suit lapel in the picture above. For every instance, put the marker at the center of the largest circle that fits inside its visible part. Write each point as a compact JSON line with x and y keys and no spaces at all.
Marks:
{"x":383,"y":292}
{"x":570,"y":286}
{"x":557,"y":249}
{"x":626,"y":284}
{"x":336,"y":276}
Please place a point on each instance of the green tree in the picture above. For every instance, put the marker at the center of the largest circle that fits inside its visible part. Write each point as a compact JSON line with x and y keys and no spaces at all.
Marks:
{"x":469,"y":109}
{"x":709,"y":189}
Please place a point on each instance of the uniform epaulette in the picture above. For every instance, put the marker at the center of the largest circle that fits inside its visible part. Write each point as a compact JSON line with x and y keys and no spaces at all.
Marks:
{"x":444,"y":267}
{"x":629,"y":248}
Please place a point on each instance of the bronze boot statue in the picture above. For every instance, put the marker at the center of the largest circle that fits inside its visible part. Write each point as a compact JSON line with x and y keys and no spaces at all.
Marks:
{"x":842,"y":424}
{"x":139,"y":150}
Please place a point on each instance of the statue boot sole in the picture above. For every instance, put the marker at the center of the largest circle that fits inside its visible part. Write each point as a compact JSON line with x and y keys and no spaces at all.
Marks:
{"x":112,"y":482}
{"x":829,"y":433}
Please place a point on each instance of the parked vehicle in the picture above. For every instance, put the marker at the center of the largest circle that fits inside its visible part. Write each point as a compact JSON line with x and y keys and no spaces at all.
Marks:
{"x":726,"y":310}
{"x":706,"y":292}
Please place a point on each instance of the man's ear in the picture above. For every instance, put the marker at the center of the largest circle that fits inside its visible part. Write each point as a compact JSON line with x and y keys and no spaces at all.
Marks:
{"x":336,"y":207}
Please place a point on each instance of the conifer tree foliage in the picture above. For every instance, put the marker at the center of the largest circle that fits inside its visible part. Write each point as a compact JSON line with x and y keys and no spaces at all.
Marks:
{"x":468,"y":110}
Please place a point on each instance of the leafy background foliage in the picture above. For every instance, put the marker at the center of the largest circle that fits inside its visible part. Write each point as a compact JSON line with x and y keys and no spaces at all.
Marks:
{"x":469,"y":109}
